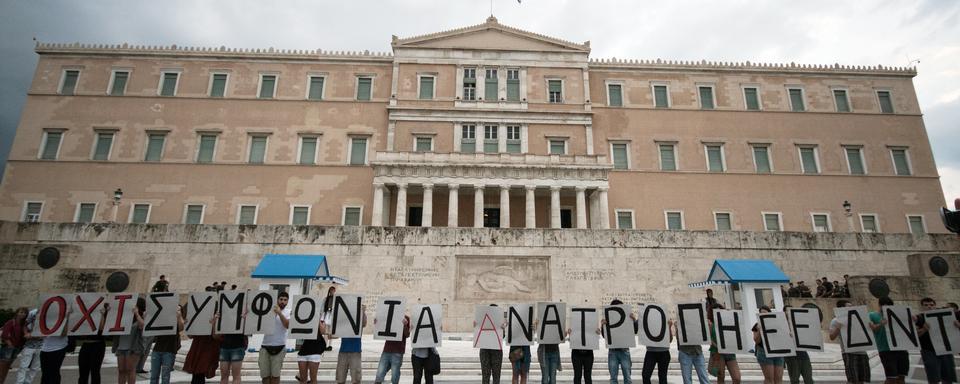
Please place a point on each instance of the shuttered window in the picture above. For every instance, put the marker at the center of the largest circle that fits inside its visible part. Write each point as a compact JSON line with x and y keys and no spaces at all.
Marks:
{"x":69,"y":82}
{"x":102,"y":149}
{"x":855,"y":160}
{"x":620,"y":158}
{"x":841,"y":100}
{"x":268,"y":86}
{"x":660,"y":96}
{"x":752,"y":99}
{"x":194,"y":214}
{"x":668,"y":160}
{"x":316,"y":88}
{"x":555,"y":91}
{"x":300,"y":215}
{"x":900,"y":161}
{"x":119,"y":86}
{"x":140,"y":214}
{"x":358,"y":151}
{"x":715,"y":158}
{"x":808,"y":160}
{"x":513,"y":85}
{"x":208,"y":144}
{"x":886,"y":104}
{"x":771,"y":221}
{"x":424,"y":144}
{"x":248,"y":215}
{"x":308,"y":150}
{"x":674,"y":221}
{"x":364,"y":88}
{"x":51,"y":145}
{"x":624,"y":220}
{"x":916,"y":225}
{"x":351,"y":216}
{"x":558,"y":147}
{"x":168,"y":86}
{"x":615,"y":95}
{"x":218,"y":85}
{"x":796,"y":100}
{"x":490,"y":85}
{"x":426,"y":87}
{"x":491,"y":143}
{"x":706,"y":98}
{"x":155,"y":144}
{"x":86,"y":212}
{"x":761,"y":158}
{"x":722,"y":221}
{"x":258,"y":149}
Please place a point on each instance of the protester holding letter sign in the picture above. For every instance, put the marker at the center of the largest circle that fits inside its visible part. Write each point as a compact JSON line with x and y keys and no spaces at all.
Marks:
{"x":772,"y":367}
{"x":274,"y":346}
{"x":92,"y":350}
{"x":391,"y":359}
{"x":348,"y":359}
{"x":618,"y":359}
{"x":232,"y":348}
{"x":129,"y":347}
{"x":30,"y":354}
{"x":14,"y":332}
{"x":856,"y":364}
{"x":308,"y":358}
{"x":488,"y":334}
{"x":724,"y":362}
{"x":896,"y":364}
{"x":938,"y":368}
{"x":164,"y":353}
{"x":799,"y":366}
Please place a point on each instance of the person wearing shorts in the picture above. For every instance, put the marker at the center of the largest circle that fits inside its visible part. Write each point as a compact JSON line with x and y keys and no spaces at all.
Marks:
{"x":274,"y":346}
{"x":856,"y":365}
{"x":231,"y":357}
{"x":896,"y":364}
{"x":938,"y":368}
{"x":308,"y":358}
{"x":771,"y":367}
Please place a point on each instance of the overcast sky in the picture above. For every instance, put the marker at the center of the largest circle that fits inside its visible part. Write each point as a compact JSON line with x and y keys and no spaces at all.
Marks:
{"x":818,"y":32}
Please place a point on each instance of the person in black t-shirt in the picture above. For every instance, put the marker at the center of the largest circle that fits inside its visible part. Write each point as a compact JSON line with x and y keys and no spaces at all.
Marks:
{"x":938,"y":368}
{"x":308,"y":358}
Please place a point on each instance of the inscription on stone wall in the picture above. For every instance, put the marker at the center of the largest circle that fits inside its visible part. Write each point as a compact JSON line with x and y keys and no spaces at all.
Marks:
{"x":503,"y":278}
{"x":632,"y":298}
{"x":589,"y":274}
{"x":407,"y":275}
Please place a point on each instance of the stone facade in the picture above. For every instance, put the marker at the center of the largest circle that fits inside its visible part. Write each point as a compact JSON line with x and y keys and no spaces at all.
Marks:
{"x":458,"y":268}
{"x":487,"y":125}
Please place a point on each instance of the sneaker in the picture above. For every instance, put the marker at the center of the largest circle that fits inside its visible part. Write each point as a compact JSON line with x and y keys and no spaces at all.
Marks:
{"x":329,"y":348}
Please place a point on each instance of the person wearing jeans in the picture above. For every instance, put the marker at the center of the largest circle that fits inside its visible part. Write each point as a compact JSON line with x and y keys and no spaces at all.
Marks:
{"x":164,"y":354}
{"x":618,"y":359}
{"x":30,"y":355}
{"x":550,"y":363}
{"x":392,"y":356}
{"x":691,"y":356}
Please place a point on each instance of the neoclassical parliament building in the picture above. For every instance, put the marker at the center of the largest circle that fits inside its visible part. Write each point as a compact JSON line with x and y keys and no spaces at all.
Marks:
{"x":482,"y":126}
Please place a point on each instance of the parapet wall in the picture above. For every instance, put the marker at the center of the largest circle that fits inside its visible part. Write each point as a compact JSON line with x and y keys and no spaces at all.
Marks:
{"x":457,"y":267}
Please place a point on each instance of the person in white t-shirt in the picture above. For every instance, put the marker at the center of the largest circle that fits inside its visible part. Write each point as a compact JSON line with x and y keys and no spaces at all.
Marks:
{"x":274,"y":346}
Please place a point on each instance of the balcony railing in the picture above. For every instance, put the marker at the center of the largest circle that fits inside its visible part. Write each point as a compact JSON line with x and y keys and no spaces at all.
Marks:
{"x":493,"y":159}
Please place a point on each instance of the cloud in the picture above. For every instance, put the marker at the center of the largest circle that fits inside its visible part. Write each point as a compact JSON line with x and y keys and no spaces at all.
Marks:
{"x":950,"y":179}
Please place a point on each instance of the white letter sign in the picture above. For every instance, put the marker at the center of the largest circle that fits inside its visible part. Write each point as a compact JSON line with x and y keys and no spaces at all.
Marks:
{"x":160,"y":318}
{"x":775,"y":334}
{"x":944,"y":336}
{"x":692,"y":324}
{"x":486,"y":331}
{"x":520,"y":324}
{"x":426,"y":329}
{"x":305,"y":317}
{"x":731,"y":332}
{"x":805,"y":323}
{"x":583,"y":332}
{"x":854,"y":334}
{"x":389,"y":316}
{"x":347,"y":316}
{"x":85,"y":314}
{"x":900,"y":329}
{"x":553,"y":318}
{"x":618,"y":329}
{"x":200,"y":309}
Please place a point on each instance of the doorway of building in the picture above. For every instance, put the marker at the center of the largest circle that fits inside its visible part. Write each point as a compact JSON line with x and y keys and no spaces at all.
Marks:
{"x":491,"y":217}
{"x":566,"y":218}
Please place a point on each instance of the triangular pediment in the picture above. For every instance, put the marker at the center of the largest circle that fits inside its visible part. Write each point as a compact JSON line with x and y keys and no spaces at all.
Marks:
{"x":491,"y":36}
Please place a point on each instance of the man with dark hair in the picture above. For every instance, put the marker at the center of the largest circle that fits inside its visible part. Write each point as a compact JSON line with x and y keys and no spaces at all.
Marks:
{"x":161,"y":285}
{"x":274,"y":346}
{"x":710,"y":300}
{"x":804,"y":290}
{"x":827,"y":288}
{"x":856,"y":364}
{"x":793,"y":291}
{"x":820,"y":288}
{"x":896,"y":364}
{"x":939,"y":369}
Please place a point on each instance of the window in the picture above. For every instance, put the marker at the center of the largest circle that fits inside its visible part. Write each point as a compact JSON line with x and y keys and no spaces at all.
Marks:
{"x":706,"y":97}
{"x":869,"y":223}
{"x":513,"y":85}
{"x":352,"y":215}
{"x":615,"y":95}
{"x":751,"y":98}
{"x":155,"y":144}
{"x":668,"y":157}
{"x":491,"y":216}
{"x":308,"y":150}
{"x":423,"y":144}
{"x":300,"y":215}
{"x":315,"y":88}
{"x":85,"y":212}
{"x":469,"y":83}
{"x":772,"y":222}
{"x":841,"y":100}
{"x":491,"y":144}
{"x":796,"y":99}
{"x":621,"y":155}
{"x":674,"y":220}
{"x":855,"y":160}
{"x":901,"y":161}
{"x":218,"y":85}
{"x":514,"y":140}
{"x":364,"y":88}
{"x":358,"y":151}
{"x":715,"y":161}
{"x":168,"y":83}
{"x":268,"y":86}
{"x":490,"y":85}
{"x":555,"y":91}
{"x":208,"y":147}
{"x":426,"y":87}
{"x":917,"y":226}
{"x":247,"y":215}
{"x":722,"y":221}
{"x":69,"y":83}
{"x":118,"y":83}
{"x":821,"y":222}
{"x":258,"y":149}
{"x":624,"y":219}
{"x":51,"y":145}
{"x":468,"y":138}
{"x":193,"y":214}
{"x":139,"y":214}
{"x":886,"y":104}
{"x":661,"y":96}
{"x":558,"y":146}
{"x":808,"y":160}
{"x":102,"y":146}
{"x":761,"y":159}
{"x":32,"y":211}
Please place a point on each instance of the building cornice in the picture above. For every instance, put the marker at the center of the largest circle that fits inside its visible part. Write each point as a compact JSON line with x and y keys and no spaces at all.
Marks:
{"x":209,"y":52}
{"x":747,"y":66}
{"x":490,"y":23}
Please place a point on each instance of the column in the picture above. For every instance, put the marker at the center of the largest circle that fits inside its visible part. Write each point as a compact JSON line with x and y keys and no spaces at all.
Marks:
{"x":478,"y":206}
{"x":452,"y":209}
{"x":604,"y":209}
{"x":504,"y":206}
{"x":376,"y":216}
{"x":427,"y":205}
{"x":531,"y":206}
{"x":554,"y":207}
{"x":401,"y":216}
{"x":581,"y":207}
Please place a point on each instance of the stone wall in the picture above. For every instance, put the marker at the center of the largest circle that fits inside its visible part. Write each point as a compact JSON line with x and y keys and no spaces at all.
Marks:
{"x":458,"y":268}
